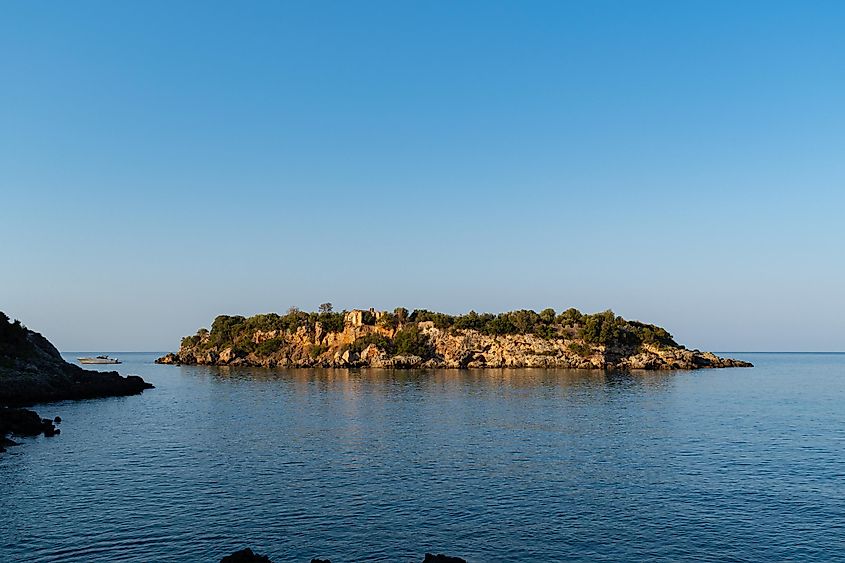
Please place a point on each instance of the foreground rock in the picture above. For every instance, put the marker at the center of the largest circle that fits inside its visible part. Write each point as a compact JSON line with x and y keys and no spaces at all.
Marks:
{"x":33,"y":371}
{"x":23,"y":422}
{"x":440,"y":558}
{"x":245,"y":556}
{"x":432,"y":340}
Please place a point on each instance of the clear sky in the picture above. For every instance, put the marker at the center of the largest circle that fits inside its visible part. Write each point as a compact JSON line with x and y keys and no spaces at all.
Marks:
{"x":682,"y":163}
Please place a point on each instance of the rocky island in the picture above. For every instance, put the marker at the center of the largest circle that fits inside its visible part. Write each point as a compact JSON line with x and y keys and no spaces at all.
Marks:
{"x":33,"y":371}
{"x":425,"y":339}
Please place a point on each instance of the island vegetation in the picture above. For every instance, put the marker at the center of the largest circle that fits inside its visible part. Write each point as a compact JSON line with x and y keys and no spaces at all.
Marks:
{"x":423,"y":338}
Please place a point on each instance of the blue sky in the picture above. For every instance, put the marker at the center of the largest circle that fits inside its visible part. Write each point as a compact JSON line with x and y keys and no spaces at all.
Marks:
{"x":682,"y":163}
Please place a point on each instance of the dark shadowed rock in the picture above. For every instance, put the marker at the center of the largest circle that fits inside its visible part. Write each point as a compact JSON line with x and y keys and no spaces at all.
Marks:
{"x":440,"y":558}
{"x":245,"y":556}
{"x":24,"y":422}
{"x":33,"y":371}
{"x":248,"y":556}
{"x":4,"y":442}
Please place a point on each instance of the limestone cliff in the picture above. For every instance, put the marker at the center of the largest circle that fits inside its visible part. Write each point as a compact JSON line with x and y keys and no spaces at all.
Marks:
{"x":433,"y":340}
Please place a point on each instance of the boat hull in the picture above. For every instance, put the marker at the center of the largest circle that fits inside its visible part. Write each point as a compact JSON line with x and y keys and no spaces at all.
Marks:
{"x":97,"y":361}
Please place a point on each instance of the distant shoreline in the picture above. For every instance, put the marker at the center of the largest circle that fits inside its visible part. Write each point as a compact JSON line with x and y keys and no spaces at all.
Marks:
{"x":426,"y":339}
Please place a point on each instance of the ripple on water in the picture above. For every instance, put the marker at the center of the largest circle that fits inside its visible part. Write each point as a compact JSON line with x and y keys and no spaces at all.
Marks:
{"x":499,"y":465}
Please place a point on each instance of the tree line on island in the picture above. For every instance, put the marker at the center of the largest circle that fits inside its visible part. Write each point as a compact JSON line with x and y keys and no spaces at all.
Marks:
{"x":402,"y":334}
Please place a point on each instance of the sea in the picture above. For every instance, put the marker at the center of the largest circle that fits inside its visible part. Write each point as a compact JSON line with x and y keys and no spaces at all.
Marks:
{"x":497,"y":465}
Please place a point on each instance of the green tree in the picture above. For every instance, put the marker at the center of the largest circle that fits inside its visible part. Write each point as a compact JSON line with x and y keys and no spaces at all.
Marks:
{"x":500,"y":324}
{"x":331,"y":322}
{"x":410,"y":340}
{"x":388,"y":320}
{"x":601,"y":328}
{"x":225,"y":329}
{"x":470,"y":321}
{"x":580,"y":349}
{"x":570,"y":316}
{"x":270,"y":346}
{"x":378,"y":340}
{"x":523,"y":320}
{"x":189,"y":342}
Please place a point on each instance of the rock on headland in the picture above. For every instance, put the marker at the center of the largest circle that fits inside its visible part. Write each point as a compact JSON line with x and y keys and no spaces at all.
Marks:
{"x":33,"y":371}
{"x":423,"y":339}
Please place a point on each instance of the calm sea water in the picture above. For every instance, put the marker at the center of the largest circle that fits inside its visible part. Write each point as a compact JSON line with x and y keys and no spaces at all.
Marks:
{"x":498,"y":465}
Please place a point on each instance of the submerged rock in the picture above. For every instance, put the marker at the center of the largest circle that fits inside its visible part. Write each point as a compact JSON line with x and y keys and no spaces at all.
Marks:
{"x":23,"y":422}
{"x":440,"y":558}
{"x":5,"y":442}
{"x":245,"y":555}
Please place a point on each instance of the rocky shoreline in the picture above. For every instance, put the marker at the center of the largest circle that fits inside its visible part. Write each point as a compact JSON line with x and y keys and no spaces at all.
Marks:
{"x":572,"y":342}
{"x":24,"y":422}
{"x":26,"y":387}
{"x":33,"y":371}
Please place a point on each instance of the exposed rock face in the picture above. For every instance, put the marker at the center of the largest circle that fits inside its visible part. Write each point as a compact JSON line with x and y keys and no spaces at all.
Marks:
{"x":33,"y":371}
{"x":442,"y":348}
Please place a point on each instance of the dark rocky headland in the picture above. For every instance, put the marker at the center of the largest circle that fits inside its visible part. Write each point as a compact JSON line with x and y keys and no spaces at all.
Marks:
{"x":33,"y":371}
{"x":424,"y":339}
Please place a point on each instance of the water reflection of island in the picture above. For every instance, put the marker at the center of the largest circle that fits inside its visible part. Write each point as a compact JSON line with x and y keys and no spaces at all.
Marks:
{"x":516,"y":377}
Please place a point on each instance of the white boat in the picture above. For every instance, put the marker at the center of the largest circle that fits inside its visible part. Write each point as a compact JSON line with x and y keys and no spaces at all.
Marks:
{"x":99,"y":360}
